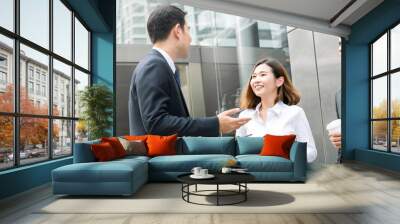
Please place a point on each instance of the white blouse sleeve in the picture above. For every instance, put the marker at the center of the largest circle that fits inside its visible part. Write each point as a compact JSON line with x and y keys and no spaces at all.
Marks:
{"x":304,"y":134}
{"x":242,"y":131}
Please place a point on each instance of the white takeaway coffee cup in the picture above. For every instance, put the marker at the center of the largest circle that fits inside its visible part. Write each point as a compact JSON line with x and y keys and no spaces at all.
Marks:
{"x":334,"y":127}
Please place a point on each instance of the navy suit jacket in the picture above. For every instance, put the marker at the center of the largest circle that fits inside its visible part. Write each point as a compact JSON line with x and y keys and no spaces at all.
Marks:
{"x":156,"y":103}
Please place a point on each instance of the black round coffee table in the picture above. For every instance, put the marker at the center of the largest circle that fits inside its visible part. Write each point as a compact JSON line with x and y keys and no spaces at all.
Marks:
{"x":238,"y":179}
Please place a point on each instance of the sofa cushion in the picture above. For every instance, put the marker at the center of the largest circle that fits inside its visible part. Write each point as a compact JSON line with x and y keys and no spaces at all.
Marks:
{"x":207,"y":145}
{"x":257,"y":163}
{"x":161,"y":145}
{"x":249,"y":145}
{"x":135,"y":147}
{"x":185,"y":163}
{"x":277,"y":145}
{"x":103,"y":152}
{"x":116,"y":145}
{"x":83,"y":152}
{"x":112,"y":171}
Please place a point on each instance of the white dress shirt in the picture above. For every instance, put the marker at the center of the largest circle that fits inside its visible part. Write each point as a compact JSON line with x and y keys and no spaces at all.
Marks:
{"x":281,"y":120}
{"x":167,"y":57}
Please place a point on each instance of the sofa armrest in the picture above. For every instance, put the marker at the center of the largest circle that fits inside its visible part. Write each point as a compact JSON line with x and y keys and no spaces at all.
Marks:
{"x":83,"y":152}
{"x":298,"y":155}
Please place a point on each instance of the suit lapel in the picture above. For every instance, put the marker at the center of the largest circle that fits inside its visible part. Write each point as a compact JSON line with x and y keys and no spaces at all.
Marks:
{"x":177,"y":88}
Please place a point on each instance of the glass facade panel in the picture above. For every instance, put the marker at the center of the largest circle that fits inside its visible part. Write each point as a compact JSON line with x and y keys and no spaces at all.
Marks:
{"x":6,"y":74}
{"x":62,"y":89}
{"x":379,"y":98}
{"x":81,"y":81}
{"x":6,"y":142}
{"x":35,"y":21}
{"x":379,"y":135}
{"x":62,"y":29}
{"x":395,"y":95}
{"x":31,"y":58}
{"x":62,"y":138}
{"x":34,"y":144}
{"x":379,"y":56}
{"x":395,"y":47}
{"x":81,"y":45}
{"x":7,"y":14}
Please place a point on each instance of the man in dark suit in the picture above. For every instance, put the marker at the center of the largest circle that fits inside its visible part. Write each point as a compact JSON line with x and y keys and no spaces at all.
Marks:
{"x":156,"y":103}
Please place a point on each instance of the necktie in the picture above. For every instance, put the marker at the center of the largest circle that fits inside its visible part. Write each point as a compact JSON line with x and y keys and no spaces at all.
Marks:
{"x":176,"y":75}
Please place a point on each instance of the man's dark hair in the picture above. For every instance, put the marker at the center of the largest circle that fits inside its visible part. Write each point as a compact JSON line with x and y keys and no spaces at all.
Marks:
{"x":162,"y":20}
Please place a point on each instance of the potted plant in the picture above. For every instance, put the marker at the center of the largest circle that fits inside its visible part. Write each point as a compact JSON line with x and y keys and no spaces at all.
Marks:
{"x":96,"y":102}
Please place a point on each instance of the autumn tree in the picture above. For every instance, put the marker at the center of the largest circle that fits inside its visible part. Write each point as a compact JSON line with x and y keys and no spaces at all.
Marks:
{"x":380,"y":127}
{"x":33,"y":131}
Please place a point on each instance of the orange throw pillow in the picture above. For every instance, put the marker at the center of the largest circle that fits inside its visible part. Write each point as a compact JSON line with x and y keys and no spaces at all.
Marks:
{"x":103,"y":152}
{"x":277,"y":145}
{"x":116,"y":145}
{"x":161,"y":145}
{"x":135,"y":137}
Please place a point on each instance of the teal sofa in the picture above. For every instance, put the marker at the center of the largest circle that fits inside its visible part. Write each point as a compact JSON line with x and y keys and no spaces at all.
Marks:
{"x":125,"y":176}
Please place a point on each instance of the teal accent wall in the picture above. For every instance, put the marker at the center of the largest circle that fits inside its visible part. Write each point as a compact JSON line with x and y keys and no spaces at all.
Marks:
{"x":24,"y":178}
{"x":103,"y":62}
{"x":99,"y":16}
{"x":356,"y":85}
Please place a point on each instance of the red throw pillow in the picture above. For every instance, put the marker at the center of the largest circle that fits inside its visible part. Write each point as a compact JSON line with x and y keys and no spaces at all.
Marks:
{"x":161,"y":145}
{"x":116,"y":145}
{"x":135,"y":137}
{"x":103,"y":152}
{"x":277,"y":145}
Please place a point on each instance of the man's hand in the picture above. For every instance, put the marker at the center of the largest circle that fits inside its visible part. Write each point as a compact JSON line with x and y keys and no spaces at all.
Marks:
{"x":228,"y":124}
{"x":336,"y":140}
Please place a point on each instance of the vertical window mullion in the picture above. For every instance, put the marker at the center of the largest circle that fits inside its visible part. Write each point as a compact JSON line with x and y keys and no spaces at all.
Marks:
{"x":73,"y":82}
{"x":50,"y":87}
{"x":389,"y":106}
{"x":16,"y":84}
{"x":370,"y":98}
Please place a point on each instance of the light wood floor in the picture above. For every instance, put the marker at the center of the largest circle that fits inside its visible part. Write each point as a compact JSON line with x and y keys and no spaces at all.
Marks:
{"x":378,"y":188}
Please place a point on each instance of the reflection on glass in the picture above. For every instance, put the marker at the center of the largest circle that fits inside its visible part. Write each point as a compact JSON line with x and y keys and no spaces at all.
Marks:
{"x":62,"y":29}
{"x":395,"y":47}
{"x":62,"y":89}
{"x":185,"y":85}
{"x":7,"y":14}
{"x":33,"y":139}
{"x":379,"y":135}
{"x":81,"y":131}
{"x":395,"y":95}
{"x":81,"y":81}
{"x":62,"y":138}
{"x":6,"y":142}
{"x":35,"y":21}
{"x":395,"y":136}
{"x":34,"y":95}
{"x":6,"y":75}
{"x":81,"y":45}
{"x":379,"y":55}
{"x":379,"y":98}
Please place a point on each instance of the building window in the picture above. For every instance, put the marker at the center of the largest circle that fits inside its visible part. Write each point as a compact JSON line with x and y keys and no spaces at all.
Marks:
{"x":385,"y":94}
{"x":30,"y":87}
{"x":38,"y":89}
{"x":30,"y":72}
{"x":44,"y":91}
{"x":3,"y":61}
{"x":37,"y":75}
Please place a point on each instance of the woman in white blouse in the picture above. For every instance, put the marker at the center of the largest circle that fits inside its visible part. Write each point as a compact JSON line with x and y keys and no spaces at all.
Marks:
{"x":270,"y":99}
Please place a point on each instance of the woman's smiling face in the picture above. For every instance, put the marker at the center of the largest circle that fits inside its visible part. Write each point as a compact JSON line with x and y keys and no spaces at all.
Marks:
{"x":263,"y":81}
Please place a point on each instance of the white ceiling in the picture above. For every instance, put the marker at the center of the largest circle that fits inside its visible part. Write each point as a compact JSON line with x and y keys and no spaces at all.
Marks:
{"x":316,"y":15}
